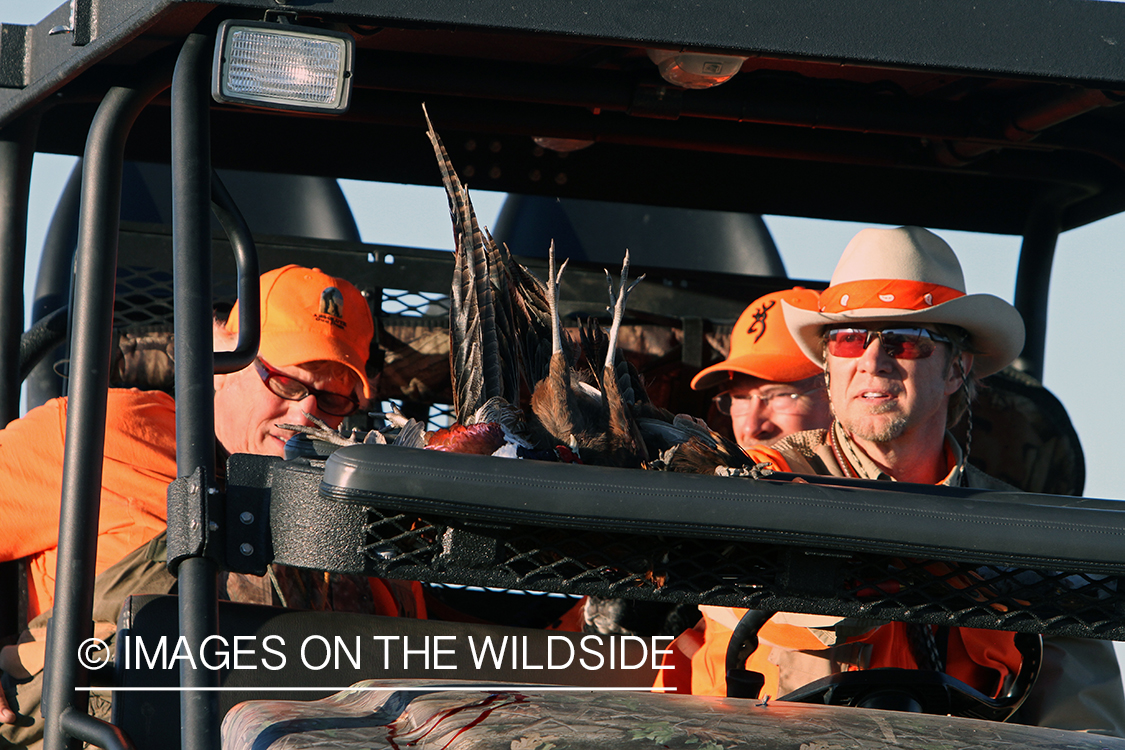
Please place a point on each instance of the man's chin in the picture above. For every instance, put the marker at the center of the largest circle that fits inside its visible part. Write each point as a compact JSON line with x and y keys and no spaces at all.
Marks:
{"x":874,"y":428}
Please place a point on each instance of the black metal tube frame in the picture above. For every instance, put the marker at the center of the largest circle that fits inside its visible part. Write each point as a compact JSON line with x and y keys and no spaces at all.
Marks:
{"x":95,"y":731}
{"x":95,"y":276}
{"x":249,"y":288}
{"x":1033,"y":283}
{"x":195,"y":405}
{"x":196,"y":192}
{"x":17,"y":149}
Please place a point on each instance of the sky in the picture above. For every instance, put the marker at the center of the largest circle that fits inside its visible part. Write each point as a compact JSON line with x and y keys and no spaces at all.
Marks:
{"x":1088,"y":273}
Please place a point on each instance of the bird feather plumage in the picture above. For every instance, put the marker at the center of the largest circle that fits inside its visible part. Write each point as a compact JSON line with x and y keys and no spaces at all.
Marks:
{"x":480,"y":322}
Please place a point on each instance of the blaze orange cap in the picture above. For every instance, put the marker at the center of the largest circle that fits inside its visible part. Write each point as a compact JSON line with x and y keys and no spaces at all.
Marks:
{"x":761,"y":345}
{"x":309,"y":316}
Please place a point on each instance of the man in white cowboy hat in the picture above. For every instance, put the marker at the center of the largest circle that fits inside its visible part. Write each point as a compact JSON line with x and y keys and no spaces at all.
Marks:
{"x":896,"y":298}
{"x":769,"y":388}
{"x":902,"y":344}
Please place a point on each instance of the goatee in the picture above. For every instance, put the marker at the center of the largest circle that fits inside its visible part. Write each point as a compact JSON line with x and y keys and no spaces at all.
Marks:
{"x":875,"y":432}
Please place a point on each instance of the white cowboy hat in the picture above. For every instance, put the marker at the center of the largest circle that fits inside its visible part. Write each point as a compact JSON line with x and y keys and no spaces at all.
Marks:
{"x":908,"y":275}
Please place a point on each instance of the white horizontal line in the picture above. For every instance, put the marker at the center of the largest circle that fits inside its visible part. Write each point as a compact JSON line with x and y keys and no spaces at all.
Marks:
{"x":369,"y":689}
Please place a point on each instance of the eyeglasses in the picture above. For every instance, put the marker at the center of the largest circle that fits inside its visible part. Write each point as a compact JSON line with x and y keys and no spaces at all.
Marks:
{"x":289,"y":388}
{"x":900,"y":343}
{"x":782,"y":402}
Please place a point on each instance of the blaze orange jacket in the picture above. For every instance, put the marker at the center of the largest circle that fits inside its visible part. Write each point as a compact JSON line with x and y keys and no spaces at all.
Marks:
{"x":982,"y":659}
{"x":140,"y":462}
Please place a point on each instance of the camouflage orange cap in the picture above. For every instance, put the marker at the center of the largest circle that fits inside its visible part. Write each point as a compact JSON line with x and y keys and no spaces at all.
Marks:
{"x":309,"y":316}
{"x":761,"y":346}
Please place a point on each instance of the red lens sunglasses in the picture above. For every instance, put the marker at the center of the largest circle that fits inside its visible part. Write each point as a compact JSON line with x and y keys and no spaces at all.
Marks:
{"x":900,"y":343}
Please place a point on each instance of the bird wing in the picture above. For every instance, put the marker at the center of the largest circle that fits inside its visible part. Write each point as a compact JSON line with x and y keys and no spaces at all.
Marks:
{"x":687,"y":444}
{"x":531,"y":310}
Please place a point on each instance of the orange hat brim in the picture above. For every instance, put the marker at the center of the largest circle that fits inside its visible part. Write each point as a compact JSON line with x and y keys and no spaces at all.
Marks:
{"x":777,"y":368}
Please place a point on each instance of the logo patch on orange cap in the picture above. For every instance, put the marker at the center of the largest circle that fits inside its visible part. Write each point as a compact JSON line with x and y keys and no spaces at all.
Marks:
{"x":332,"y":307}
{"x":760,"y":317}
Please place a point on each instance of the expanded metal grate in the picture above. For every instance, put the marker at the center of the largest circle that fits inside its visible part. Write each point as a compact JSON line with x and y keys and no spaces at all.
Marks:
{"x":143,"y":297}
{"x":755,"y":575}
{"x":414,"y":304}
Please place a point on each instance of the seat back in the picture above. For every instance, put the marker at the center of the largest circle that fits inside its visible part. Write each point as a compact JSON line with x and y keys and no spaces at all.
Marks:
{"x":1023,"y":435}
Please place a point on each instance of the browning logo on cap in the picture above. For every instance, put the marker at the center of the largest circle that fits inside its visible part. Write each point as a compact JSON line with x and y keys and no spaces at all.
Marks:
{"x":760,"y":318}
{"x":332,"y":302}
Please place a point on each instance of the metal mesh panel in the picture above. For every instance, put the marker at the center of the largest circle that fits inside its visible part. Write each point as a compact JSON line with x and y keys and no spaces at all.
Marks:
{"x":143,"y":297}
{"x":414,"y":304}
{"x":756,"y":575}
{"x":1017,"y":598}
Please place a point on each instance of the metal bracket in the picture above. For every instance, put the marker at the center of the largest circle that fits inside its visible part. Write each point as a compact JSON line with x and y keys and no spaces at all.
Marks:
{"x":81,"y":24}
{"x":463,"y":548}
{"x":249,"y":545}
{"x":808,"y":574}
{"x":190,"y":500}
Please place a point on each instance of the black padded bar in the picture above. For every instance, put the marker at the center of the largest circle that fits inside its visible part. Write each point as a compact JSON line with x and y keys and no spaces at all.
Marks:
{"x":1009,"y":528}
{"x":596,"y":555}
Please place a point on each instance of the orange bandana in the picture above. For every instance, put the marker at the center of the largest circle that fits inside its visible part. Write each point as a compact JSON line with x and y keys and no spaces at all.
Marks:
{"x":896,"y":294}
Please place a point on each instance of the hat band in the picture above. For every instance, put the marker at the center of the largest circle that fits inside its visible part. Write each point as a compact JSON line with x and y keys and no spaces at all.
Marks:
{"x":896,"y":294}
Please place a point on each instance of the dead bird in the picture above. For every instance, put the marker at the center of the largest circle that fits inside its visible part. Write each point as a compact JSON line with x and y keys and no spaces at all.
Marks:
{"x":598,"y":425}
{"x":507,"y":338}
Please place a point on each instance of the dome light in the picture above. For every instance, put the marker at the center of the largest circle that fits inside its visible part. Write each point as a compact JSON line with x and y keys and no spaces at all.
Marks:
{"x":695,"y":70}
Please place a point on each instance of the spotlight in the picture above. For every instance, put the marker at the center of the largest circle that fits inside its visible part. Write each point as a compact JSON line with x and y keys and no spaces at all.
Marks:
{"x":281,"y":66}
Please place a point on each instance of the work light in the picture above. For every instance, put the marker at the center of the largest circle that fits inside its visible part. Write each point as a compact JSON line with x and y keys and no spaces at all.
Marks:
{"x":282,"y":66}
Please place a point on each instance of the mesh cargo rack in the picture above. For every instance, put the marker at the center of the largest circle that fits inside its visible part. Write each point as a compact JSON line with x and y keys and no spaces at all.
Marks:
{"x":1011,"y":561}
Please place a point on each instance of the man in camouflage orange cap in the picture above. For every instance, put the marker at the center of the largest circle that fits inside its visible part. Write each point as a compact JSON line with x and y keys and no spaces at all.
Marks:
{"x":316,"y":337}
{"x":770,"y":388}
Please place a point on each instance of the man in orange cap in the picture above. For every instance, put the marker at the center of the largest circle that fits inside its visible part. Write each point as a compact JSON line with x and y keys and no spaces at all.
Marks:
{"x":309,"y":362}
{"x":901,"y":343}
{"x":316,"y":333}
{"x":316,"y":336}
{"x":770,"y":389}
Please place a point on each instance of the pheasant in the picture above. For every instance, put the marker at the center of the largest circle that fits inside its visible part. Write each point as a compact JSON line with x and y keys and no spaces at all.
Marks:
{"x":506,"y":337}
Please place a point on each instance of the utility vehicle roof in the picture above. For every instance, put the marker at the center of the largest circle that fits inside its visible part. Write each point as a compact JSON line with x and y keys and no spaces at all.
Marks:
{"x":960,"y":114}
